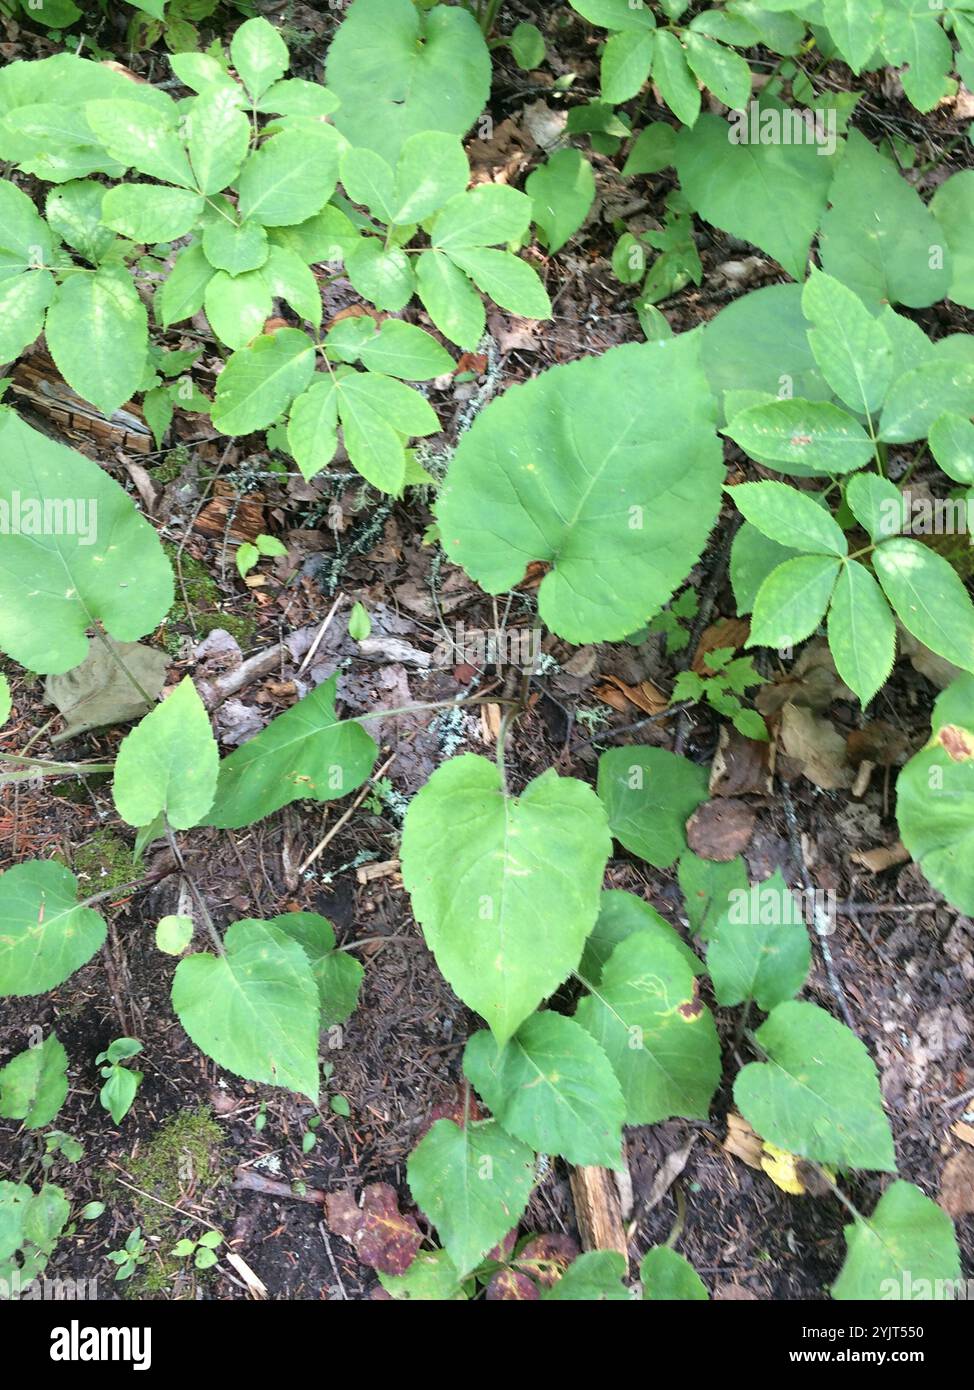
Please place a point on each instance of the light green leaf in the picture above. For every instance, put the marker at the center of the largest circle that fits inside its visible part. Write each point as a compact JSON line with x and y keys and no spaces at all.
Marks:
{"x":674,"y":78}
{"x":952,"y":445}
{"x":953,"y":207}
{"x":218,"y":137}
{"x":234,"y":248}
{"x":551,"y":1086}
{"x":432,"y":169}
{"x":620,"y":915}
{"x":935,"y":798}
{"x":325,"y":237}
{"x":760,"y":948}
{"x":527,"y":46}
{"x":173,"y":934}
{"x":376,"y":411}
{"x":616,"y":14}
{"x":790,"y":517}
{"x":653,"y":150}
{"x":851,"y":347}
{"x":383,"y":276}
{"x":431,"y":1278}
{"x":450,"y":300}
{"x":312,"y":431}
{"x":23,"y":302}
{"x":25,"y":239}
{"x":771,"y":195}
{"x":151,"y":212}
{"x":667,"y":1276}
{"x":759,"y":342}
{"x":626,"y":61}
{"x":609,"y":467}
{"x":337,"y":974}
{"x":168,"y":764}
{"x":928,"y":597}
{"x":913,"y":37}
{"x":106,"y":564}
{"x":259,"y":382}
{"x":527,"y":870}
{"x":306,"y":752}
{"x":594,"y":1277}
{"x":877,"y":235}
{"x":659,"y":1036}
{"x":876,"y":503}
{"x":142,"y":136}
{"x":398,"y":71}
{"x":290,"y":279}
{"x":816,"y":435}
{"x":862,"y":633}
{"x":917,"y":398}
{"x":34,"y":1084}
{"x":237,"y":307}
{"x":359,"y":622}
{"x":720,"y":69}
{"x":259,"y":55}
{"x":906,"y":1250}
{"x":97,"y":332}
{"x":369,"y":180}
{"x":649,"y":794}
{"x":562,"y":190}
{"x":792,"y":601}
{"x":181,"y":294}
{"x":856,"y":27}
{"x":295,"y":96}
{"x":45,"y":936}
{"x":509,"y":281}
{"x":74,"y":211}
{"x":254,"y":1009}
{"x":818,"y":1094}
{"x":290,"y":177}
{"x":488,"y":215}
{"x":402,"y":350}
{"x":6,"y":704}
{"x":473,"y":1183}
{"x":706,"y":886}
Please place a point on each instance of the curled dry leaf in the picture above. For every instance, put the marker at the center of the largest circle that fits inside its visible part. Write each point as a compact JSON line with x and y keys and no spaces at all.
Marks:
{"x":645,"y":696}
{"x":957,"y":1185}
{"x":381,"y":1236}
{"x":741,"y":765}
{"x":816,"y":746}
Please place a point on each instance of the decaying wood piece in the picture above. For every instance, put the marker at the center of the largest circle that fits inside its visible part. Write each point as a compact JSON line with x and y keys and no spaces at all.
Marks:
{"x":597,"y":1210}
{"x":38,"y":384}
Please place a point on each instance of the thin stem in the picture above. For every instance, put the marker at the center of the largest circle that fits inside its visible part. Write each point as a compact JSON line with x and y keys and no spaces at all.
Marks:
{"x":194,"y":891}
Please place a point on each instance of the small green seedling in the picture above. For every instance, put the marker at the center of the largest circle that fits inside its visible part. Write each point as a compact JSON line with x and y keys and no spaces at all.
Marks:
{"x":134,"y":1253}
{"x":248,"y":556}
{"x":203,"y":1250}
{"x":121,"y":1084}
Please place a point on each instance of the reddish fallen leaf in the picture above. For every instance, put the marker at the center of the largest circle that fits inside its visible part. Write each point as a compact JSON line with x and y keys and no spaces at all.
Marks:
{"x":474,"y":362}
{"x":727,"y":632}
{"x":505,"y":1249}
{"x":508,"y":1286}
{"x":546,"y":1257}
{"x":381,"y":1236}
{"x":721,"y":829}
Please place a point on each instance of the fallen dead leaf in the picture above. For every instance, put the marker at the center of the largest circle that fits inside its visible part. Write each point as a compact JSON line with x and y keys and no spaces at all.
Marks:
{"x":741,"y":765}
{"x":722,"y":829}
{"x":742,"y":1142}
{"x":964,"y":1132}
{"x":378,"y":1232}
{"x":816,"y":746}
{"x":645,"y":696}
{"x":881,"y":858}
{"x":728,"y":632}
{"x":957,"y":1185}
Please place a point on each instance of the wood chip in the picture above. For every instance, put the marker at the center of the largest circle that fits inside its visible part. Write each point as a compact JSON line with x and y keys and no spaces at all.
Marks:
{"x":883,"y":857}
{"x":597,"y":1210}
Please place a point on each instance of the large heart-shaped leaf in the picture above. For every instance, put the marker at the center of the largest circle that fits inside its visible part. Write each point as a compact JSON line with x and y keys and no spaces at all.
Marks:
{"x":97,"y":333}
{"x":305,"y":752}
{"x":505,"y":888}
{"x":818,"y":1094}
{"x":552,"y":1086}
{"x":398,"y":72}
{"x":473,"y":1182}
{"x":608,"y":469}
{"x":76,"y":552}
{"x":254,"y":1009}
{"x":34,"y":1084}
{"x":45,"y":936}
{"x":906,"y":1250}
{"x":659,"y":1036}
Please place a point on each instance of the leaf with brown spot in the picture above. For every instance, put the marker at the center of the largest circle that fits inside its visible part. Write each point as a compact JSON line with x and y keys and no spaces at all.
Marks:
{"x":956,"y":742}
{"x":546,"y":1257}
{"x":381,"y":1236}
